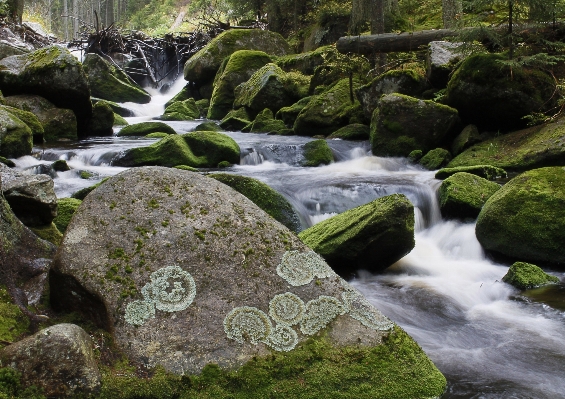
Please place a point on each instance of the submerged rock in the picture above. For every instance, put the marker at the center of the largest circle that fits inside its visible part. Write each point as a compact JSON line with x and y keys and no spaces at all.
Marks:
{"x":525,"y":276}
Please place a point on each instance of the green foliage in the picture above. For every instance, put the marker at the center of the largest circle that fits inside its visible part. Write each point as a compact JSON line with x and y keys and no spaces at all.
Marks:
{"x":11,"y":387}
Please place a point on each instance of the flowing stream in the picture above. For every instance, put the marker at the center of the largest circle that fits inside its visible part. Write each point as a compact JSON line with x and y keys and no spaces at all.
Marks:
{"x":489,"y":340}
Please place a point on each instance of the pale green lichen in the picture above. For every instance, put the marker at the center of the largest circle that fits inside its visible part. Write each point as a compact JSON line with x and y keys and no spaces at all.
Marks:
{"x":319,"y":313}
{"x":247,"y":323}
{"x":181,"y":293}
{"x":286,"y":309}
{"x":361,"y":309}
{"x":282,"y":338}
{"x":300,"y":268}
{"x":138,"y":312}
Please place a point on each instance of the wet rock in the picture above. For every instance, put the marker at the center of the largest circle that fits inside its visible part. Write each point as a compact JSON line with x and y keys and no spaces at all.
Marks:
{"x":102,"y":120}
{"x":30,"y":120}
{"x":144,"y":128}
{"x":117,"y":108}
{"x":468,"y":137}
{"x":11,"y":44}
{"x":526,"y":276}
{"x":59,"y":360}
{"x":16,"y":138}
{"x":435,"y":159}
{"x":235,"y":120}
{"x":355,"y":131}
{"x":317,"y":153}
{"x":208,"y":127}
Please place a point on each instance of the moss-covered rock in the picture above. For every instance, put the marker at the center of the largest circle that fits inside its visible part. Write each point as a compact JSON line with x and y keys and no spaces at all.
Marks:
{"x":496,"y":97}
{"x":372,"y":236}
{"x":202,"y":66}
{"x":13,"y":323}
{"x":16,"y":138}
{"x":7,"y":162}
{"x":66,"y":208}
{"x":102,"y":120}
{"x":435,"y":159}
{"x":197,"y":149}
{"x":463,"y":195}
{"x":181,"y":111}
{"x":30,"y":120}
{"x":208,"y":127}
{"x":327,"y":112}
{"x":525,"y":276}
{"x":119,"y":120}
{"x":265,"y":122}
{"x":442,"y":57}
{"x":60,"y":165}
{"x":355,"y":131}
{"x":117,"y":108}
{"x":525,"y":149}
{"x":185,"y":93}
{"x":289,"y":114}
{"x":157,"y":135}
{"x":415,"y":155}
{"x":239,"y":68}
{"x":264,"y":197}
{"x":58,"y":124}
{"x":185,"y":167}
{"x":235,"y":120}
{"x":317,"y":152}
{"x":405,"y":81}
{"x":402,"y":124}
{"x":306,"y":62}
{"x":485,"y":171}
{"x":48,"y":232}
{"x":53,"y":73}
{"x":468,"y":137}
{"x":109,"y":83}
{"x":144,"y":128}
{"x":524,"y":220}
{"x":83,"y":192}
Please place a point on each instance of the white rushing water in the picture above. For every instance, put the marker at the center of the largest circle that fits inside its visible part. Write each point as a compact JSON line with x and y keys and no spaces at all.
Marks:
{"x":488,"y":339}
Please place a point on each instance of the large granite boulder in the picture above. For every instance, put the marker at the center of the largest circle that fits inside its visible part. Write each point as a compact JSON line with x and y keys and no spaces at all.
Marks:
{"x":58,"y":123}
{"x":59,"y":360}
{"x":53,"y":73}
{"x":524,"y":219}
{"x":406,"y":81}
{"x":494,"y":97}
{"x":372,"y":236}
{"x":16,"y":138}
{"x":289,"y":114}
{"x":530,"y":148}
{"x":239,"y":68}
{"x":31,"y":197}
{"x":203,"y":65}
{"x":442,"y":57}
{"x":185,"y":272}
{"x":402,"y":124}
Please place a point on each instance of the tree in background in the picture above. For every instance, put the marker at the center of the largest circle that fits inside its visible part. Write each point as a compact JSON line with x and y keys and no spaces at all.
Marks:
{"x":451,"y":13}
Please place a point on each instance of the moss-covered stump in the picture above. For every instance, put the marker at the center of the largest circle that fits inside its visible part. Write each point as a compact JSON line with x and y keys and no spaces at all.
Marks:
{"x":265,"y":122}
{"x":306,"y":62}
{"x":236,"y":119}
{"x":181,"y":111}
{"x":317,"y":153}
{"x":289,"y":114}
{"x":144,"y":128}
{"x":525,"y":276}
{"x":518,"y":151}
{"x":202,"y":66}
{"x":197,"y":149}
{"x":355,"y":131}
{"x":406,"y":81}
{"x":327,"y":112}
{"x":372,"y":236}
{"x":66,"y":208}
{"x":246,"y":293}
{"x":435,"y":159}
{"x":402,"y":124}
{"x":239,"y":68}
{"x":30,"y":120}
{"x":16,"y":138}
{"x":109,"y":83}
{"x":264,"y":197}
{"x":83,"y":192}
{"x":496,"y":97}
{"x":463,"y":195}
{"x":468,"y":137}
{"x":58,"y":124}
{"x":524,"y":219}
{"x":485,"y":171}
{"x":102,"y":120}
{"x":53,"y":73}
{"x":208,"y":127}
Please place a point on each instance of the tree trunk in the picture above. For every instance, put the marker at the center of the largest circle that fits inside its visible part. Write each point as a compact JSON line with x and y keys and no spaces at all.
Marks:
{"x":66,"y":20}
{"x":75,"y":19}
{"x":451,"y":10}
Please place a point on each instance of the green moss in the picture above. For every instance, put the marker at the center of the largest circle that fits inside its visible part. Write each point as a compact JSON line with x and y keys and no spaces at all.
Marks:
{"x":49,"y":233}
{"x":485,"y":171}
{"x":355,"y":131}
{"x":16,"y":138}
{"x":435,"y":159}
{"x":182,"y":95}
{"x":306,"y":62}
{"x":265,"y":122}
{"x":7,"y":162}
{"x":11,"y":387}
{"x":208,"y":127}
{"x":181,"y":111}
{"x":397,"y":369}
{"x":264,"y":197}
{"x":525,"y":276}
{"x":119,"y":120}
{"x":186,"y":167}
{"x":60,"y":165}
{"x":415,"y":156}
{"x":144,"y":128}
{"x":30,"y":120}
{"x":317,"y":152}
{"x":102,"y":120}
{"x":13,"y":323}
{"x":157,"y":135}
{"x":66,"y":207}
{"x":82,"y":193}
{"x":288,"y":114}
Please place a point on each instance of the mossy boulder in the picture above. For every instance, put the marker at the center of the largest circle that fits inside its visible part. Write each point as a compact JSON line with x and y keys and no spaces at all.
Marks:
{"x":66,"y":208}
{"x":372,"y":236}
{"x":185,"y":93}
{"x":485,"y":171}
{"x":119,"y":120}
{"x":402,"y":124}
{"x":306,"y":62}
{"x":13,"y":323}
{"x":144,"y":128}
{"x":530,"y":148}
{"x":83,"y":192}
{"x":463,"y":195}
{"x":16,"y":138}
{"x":441,"y":60}
{"x":52,"y":73}
{"x":435,"y":159}
{"x":58,"y":124}
{"x":7,"y":162}
{"x":355,"y":131}
{"x":468,"y":137}
{"x":30,"y":120}
{"x":236,"y":119}
{"x":208,"y":127}
{"x":117,"y":108}
{"x":265,"y":122}
{"x":496,"y":97}
{"x":102,"y":120}
{"x":249,"y":297}
{"x":405,"y":81}
{"x":239,"y":68}
{"x":197,"y":149}
{"x":264,"y":197}
{"x":181,"y":111}
{"x":317,"y":153}
{"x":524,"y":219}
{"x":156,"y":135}
{"x":60,"y":165}
{"x":203,"y":65}
{"x":289,"y":114}
{"x":327,"y":112}
{"x":109,"y":83}
{"x":185,"y":167}
{"x":415,"y":155}
{"x":48,"y":232}
{"x":525,"y":276}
